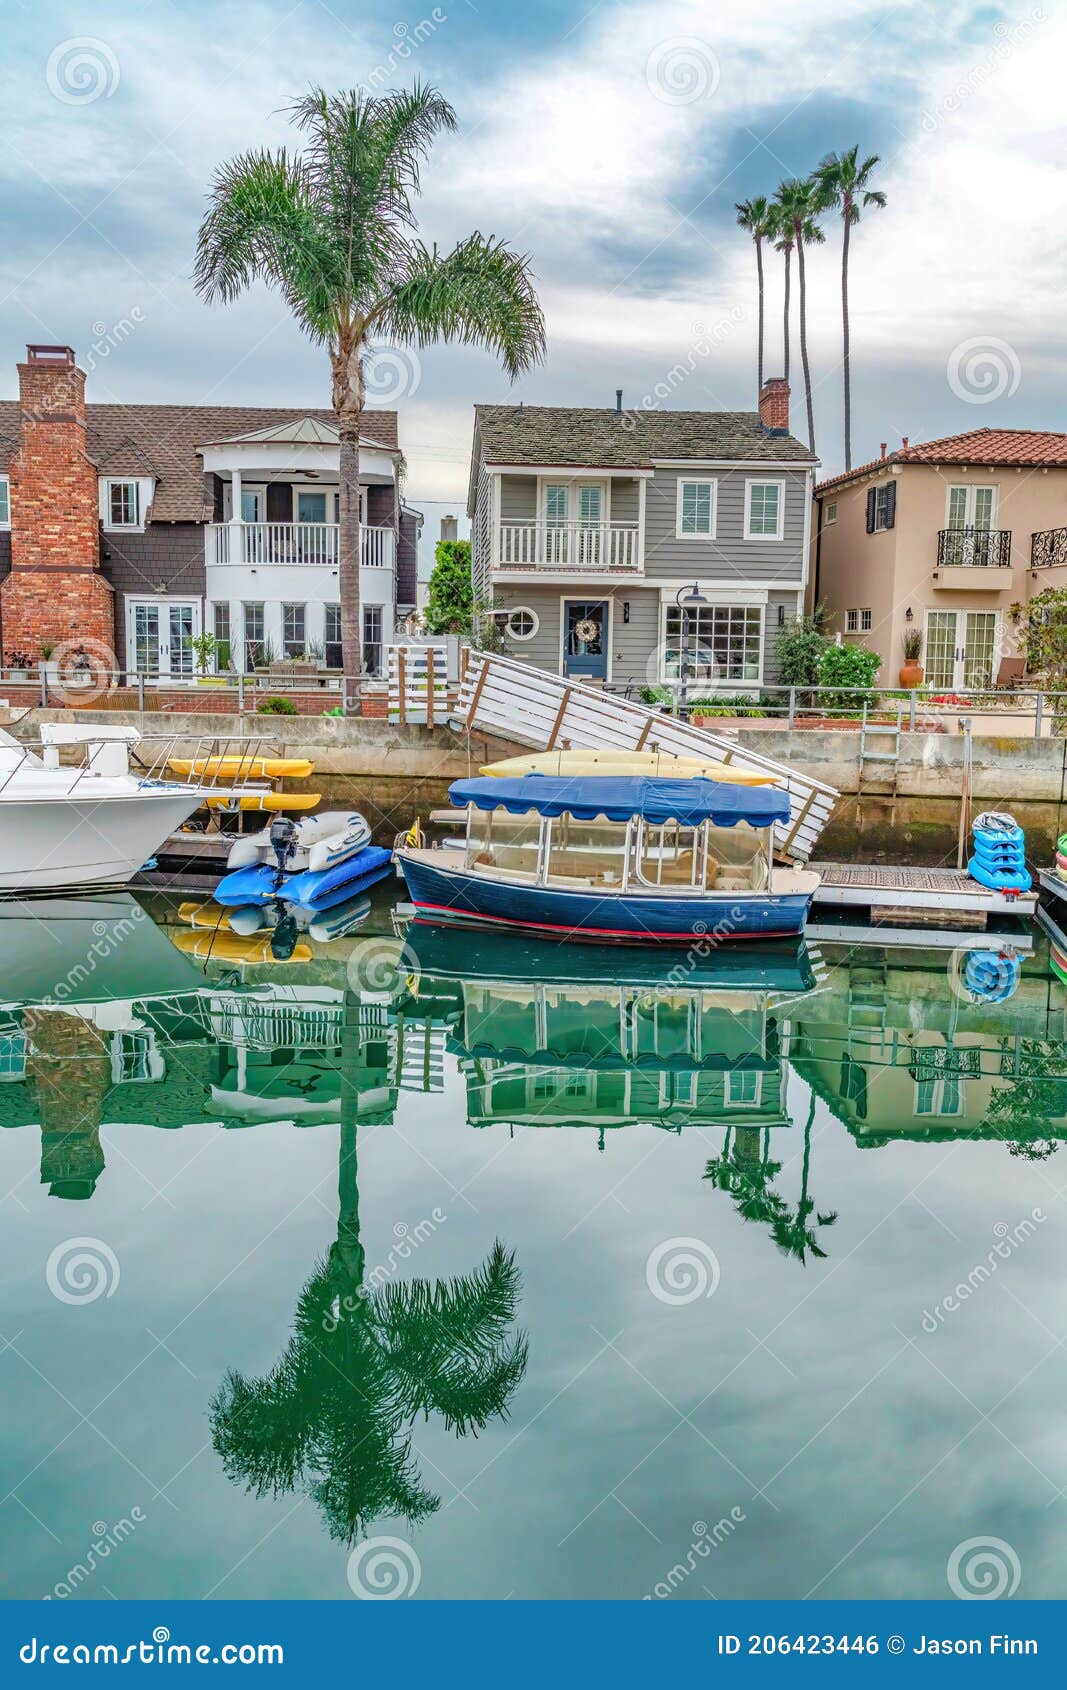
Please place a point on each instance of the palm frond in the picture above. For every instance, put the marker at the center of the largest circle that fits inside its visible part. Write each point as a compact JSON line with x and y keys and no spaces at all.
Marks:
{"x":479,"y":294}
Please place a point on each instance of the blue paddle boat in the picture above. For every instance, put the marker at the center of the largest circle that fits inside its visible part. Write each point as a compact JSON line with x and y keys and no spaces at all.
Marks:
{"x":611,"y":859}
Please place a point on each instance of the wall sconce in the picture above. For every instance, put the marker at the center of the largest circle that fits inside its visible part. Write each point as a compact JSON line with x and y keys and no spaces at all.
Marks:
{"x":909,"y":614}
{"x":626,"y":610}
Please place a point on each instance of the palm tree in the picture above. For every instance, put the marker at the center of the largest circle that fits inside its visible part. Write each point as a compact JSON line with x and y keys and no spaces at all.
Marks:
{"x":783,"y":243}
{"x":757,"y":217}
{"x":793,"y":1231}
{"x":332,"y":228}
{"x":841,"y":180}
{"x":364,"y":1361}
{"x":798,"y":206}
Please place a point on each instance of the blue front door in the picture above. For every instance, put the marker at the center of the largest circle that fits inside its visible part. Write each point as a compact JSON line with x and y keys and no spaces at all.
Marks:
{"x":585,"y":639}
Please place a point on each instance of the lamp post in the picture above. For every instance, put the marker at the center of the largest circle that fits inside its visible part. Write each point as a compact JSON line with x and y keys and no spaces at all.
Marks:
{"x":686,"y":598}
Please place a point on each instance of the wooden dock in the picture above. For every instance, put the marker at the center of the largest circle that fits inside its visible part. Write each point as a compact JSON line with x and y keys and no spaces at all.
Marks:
{"x":895,"y":894}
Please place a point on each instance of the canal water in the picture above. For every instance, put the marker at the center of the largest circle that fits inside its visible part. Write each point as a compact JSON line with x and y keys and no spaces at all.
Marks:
{"x":446,"y":1267}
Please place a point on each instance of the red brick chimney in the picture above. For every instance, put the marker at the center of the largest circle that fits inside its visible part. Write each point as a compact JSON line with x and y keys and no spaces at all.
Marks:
{"x":774,"y":405}
{"x":55,"y":591}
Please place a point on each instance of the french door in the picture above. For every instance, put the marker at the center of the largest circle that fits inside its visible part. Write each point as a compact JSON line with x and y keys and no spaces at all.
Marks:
{"x":159,"y":636}
{"x":574,"y":522}
{"x":961,"y":648}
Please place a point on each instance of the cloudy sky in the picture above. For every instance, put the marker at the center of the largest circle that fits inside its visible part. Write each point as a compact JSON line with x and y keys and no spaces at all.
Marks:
{"x":608,"y":141}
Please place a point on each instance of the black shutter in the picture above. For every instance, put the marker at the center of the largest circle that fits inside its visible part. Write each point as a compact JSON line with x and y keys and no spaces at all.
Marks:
{"x":891,"y":504}
{"x":870,"y":510}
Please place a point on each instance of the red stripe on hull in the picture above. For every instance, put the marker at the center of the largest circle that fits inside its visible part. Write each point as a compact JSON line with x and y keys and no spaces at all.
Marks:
{"x":620,"y":933}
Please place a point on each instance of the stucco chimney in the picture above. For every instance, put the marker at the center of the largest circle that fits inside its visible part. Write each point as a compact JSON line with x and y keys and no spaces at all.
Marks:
{"x":774,"y":405}
{"x":449,"y":528}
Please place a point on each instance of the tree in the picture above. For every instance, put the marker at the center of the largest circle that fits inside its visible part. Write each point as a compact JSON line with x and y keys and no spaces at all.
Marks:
{"x":332,"y":228}
{"x":757,"y":217}
{"x":841,"y":180}
{"x":450,"y":606}
{"x":797,"y":209}
{"x":1041,"y":625}
{"x":798,"y":649}
{"x":794,"y":1231}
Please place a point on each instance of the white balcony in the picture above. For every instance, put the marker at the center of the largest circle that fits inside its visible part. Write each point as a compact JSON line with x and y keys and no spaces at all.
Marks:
{"x":599,"y":549}
{"x":312,"y":543}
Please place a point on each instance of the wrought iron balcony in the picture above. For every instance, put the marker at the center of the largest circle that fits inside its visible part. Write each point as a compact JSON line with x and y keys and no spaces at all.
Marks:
{"x":1048,"y":548}
{"x":974,"y":548}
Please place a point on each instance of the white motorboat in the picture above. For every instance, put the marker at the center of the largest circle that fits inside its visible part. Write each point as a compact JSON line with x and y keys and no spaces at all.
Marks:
{"x":93,"y":824}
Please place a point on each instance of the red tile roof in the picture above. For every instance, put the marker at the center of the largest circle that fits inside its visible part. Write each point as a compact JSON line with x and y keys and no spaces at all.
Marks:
{"x":1030,"y":448}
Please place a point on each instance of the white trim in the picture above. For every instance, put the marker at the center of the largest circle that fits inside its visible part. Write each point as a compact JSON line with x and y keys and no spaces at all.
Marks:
{"x":961,"y":612}
{"x":805,"y":565}
{"x":5,"y":522}
{"x":724,"y":592}
{"x":683,"y":481}
{"x":575,"y":482}
{"x":145,"y":486}
{"x":257,"y":487}
{"x":161,"y":601}
{"x":718,"y":602}
{"x":772,"y":466}
{"x":587,"y":598}
{"x":523,"y":610}
{"x":971,"y":489}
{"x":572,"y":472}
{"x":828,"y":520}
{"x":764,"y":481}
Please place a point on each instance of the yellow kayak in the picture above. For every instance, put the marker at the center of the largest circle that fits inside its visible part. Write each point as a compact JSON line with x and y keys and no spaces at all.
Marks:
{"x":656,"y":764}
{"x":208,"y":915}
{"x":219,"y":946}
{"x":272,"y":801}
{"x":244,"y":768}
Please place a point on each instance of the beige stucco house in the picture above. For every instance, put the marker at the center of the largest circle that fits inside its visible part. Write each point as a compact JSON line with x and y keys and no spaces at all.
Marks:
{"x":944,"y":537}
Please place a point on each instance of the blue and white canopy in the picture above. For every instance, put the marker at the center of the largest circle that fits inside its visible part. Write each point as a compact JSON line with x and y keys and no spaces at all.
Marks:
{"x":688,"y":802}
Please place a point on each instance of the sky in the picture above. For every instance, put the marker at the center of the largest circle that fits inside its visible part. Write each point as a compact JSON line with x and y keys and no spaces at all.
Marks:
{"x":608,"y":142}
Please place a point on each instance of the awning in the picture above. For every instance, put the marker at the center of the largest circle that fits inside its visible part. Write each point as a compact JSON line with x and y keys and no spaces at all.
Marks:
{"x":688,"y":802}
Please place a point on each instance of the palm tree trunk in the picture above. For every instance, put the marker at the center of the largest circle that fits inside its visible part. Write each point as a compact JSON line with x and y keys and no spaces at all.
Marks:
{"x":804,"y":342}
{"x":348,"y":396}
{"x":845,"y":344}
{"x":347,"y":1255}
{"x":785,"y":324}
{"x":759,"y":317}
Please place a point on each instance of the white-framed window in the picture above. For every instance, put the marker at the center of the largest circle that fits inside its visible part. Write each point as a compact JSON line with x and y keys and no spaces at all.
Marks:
{"x":12,"y":1056}
{"x":830,"y":511}
{"x":764,"y":510}
{"x":5,"y":502}
{"x":696,"y":514}
{"x":253,"y":621}
{"x":866,"y":621}
{"x":882,"y":506}
{"x":134,"y":1056}
{"x":123,"y":504}
{"x":973,"y":506}
{"x":314,"y":504}
{"x":723,"y":642}
{"x":523,"y":623}
{"x":332,"y":637}
{"x":294,"y":630}
{"x":744,"y":1089}
{"x":372,"y":638}
{"x":852,"y":621}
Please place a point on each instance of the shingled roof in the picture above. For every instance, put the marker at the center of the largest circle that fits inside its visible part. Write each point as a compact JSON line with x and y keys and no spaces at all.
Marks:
{"x":162,"y":440}
{"x":593,"y":439}
{"x":1023,"y":448}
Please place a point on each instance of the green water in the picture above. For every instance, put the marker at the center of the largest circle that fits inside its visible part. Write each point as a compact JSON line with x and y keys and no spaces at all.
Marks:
{"x":572,"y":1275}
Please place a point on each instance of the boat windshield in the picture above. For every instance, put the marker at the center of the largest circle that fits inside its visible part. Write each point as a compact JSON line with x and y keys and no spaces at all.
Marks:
{"x":496,"y":840}
{"x":736,"y":857}
{"x":587,"y":853}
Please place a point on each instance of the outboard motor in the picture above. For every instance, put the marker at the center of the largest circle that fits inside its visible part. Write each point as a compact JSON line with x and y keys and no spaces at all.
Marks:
{"x":283,"y":939}
{"x":283,"y":844}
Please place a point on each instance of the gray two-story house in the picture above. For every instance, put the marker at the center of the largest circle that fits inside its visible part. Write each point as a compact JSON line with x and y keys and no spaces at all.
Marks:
{"x":589,"y":526}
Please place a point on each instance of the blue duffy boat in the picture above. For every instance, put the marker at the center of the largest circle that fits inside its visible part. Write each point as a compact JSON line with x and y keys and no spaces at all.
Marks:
{"x":611,"y":859}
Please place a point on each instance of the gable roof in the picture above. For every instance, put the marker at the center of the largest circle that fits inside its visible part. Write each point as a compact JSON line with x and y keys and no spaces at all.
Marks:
{"x":588,"y":438}
{"x":1025,"y":448}
{"x":162,"y":441}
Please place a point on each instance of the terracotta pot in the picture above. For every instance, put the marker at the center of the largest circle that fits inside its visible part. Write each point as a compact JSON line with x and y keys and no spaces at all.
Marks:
{"x":911,"y":675}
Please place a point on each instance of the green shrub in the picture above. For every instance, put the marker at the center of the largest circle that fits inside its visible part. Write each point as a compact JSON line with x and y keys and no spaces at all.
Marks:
{"x":850,"y":670}
{"x":799,"y":648}
{"x":725,"y":704}
{"x":655,"y":695}
{"x":277,"y":707}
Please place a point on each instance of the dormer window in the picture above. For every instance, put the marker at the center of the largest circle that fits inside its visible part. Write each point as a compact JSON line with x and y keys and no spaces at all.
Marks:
{"x":5,"y":502}
{"x":123,"y":502}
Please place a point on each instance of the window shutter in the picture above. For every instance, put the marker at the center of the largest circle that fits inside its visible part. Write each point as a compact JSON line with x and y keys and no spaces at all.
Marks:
{"x":870,"y":510}
{"x":891,"y":504}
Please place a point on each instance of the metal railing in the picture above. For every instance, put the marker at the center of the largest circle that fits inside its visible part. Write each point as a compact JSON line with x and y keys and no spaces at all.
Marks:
{"x":1048,"y":548}
{"x":922,"y":709}
{"x":148,"y":760}
{"x":974,"y":548}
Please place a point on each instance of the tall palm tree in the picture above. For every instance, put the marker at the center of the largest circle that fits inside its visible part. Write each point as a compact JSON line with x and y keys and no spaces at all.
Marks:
{"x":798,"y":207}
{"x":793,"y":1231}
{"x":364,"y":1361}
{"x":756,"y":216}
{"x":841,"y":180}
{"x":332,"y":228}
{"x":783,"y":243}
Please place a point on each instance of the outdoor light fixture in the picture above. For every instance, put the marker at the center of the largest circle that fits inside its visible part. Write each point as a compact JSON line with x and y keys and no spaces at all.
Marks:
{"x":685,"y":598}
{"x":626,"y":610}
{"x":909,"y":615}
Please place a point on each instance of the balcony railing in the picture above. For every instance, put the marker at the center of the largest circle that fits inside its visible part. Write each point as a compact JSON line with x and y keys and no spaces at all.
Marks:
{"x":974,"y":548}
{"x":1048,"y":548}
{"x":294,"y":542}
{"x":593,"y":548}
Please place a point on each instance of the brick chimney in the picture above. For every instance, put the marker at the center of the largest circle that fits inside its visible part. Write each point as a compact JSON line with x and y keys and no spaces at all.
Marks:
{"x":55,"y":591}
{"x":774,"y":405}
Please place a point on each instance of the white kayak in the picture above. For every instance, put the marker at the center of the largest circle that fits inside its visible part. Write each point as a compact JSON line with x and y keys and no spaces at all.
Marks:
{"x":322,"y":841}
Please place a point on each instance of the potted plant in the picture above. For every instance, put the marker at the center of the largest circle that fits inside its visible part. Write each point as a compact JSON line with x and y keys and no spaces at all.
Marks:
{"x":911,"y":674}
{"x":80,"y":671}
{"x":19,"y":664}
{"x":205,"y":647}
{"x":46,"y":648}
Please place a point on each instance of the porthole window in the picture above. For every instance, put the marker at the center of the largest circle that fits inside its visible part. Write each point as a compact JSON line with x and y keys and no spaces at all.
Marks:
{"x":522,"y":623}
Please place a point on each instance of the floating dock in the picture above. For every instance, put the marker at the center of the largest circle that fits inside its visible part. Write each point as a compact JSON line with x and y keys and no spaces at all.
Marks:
{"x":894,"y":894}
